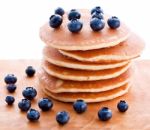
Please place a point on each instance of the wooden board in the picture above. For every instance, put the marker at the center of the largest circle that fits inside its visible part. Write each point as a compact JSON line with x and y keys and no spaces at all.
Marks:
{"x":136,"y":118}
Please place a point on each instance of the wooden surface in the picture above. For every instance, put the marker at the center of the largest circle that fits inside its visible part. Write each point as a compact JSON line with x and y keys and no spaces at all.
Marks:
{"x":136,"y":118}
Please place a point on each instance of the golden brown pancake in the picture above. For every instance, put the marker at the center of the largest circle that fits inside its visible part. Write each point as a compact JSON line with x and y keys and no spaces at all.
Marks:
{"x":53,"y":56}
{"x":89,"y":97}
{"x":56,"y":85}
{"x":86,"y":39}
{"x":127,"y":50}
{"x":82,"y":75}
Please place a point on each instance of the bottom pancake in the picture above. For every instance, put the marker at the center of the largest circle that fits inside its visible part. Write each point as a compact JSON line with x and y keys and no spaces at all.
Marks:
{"x":88,"y":97}
{"x":56,"y":85}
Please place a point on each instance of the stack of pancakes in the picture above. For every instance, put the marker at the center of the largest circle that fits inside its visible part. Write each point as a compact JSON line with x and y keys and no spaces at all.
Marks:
{"x":93,"y":66}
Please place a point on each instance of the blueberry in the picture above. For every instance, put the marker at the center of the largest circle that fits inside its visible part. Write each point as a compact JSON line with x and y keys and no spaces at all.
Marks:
{"x":74,"y":14}
{"x":62,"y":117}
{"x":122,"y":106}
{"x":97,"y":9}
{"x":97,"y":24}
{"x":11,"y":88}
{"x":75,"y":26}
{"x":80,"y":106}
{"x":45,"y":104}
{"x":113,"y":22}
{"x":73,"y":10}
{"x":33,"y":115}
{"x":29,"y":93}
{"x":10,"y":79}
{"x":24,"y":105}
{"x":9,"y":100}
{"x":55,"y":21}
{"x":30,"y":71}
{"x":104,"y":114}
{"x":59,"y":11}
{"x":97,"y":15}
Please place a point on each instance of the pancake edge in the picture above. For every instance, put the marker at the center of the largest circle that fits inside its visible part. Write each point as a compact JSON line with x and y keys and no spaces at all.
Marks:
{"x":86,"y":78}
{"x":111,"y":97}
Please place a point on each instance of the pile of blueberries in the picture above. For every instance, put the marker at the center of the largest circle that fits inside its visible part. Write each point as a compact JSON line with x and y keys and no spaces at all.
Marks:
{"x":97,"y":22}
{"x":45,"y":104}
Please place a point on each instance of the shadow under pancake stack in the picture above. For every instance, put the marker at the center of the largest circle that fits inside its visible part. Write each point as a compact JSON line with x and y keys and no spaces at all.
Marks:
{"x":93,"y":66}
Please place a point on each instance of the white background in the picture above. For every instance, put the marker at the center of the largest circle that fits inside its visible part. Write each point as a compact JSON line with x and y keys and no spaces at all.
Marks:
{"x":20,"y":21}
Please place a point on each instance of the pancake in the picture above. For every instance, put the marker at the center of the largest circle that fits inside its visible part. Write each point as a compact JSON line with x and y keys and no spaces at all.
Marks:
{"x":89,"y":97}
{"x":56,"y":85}
{"x":53,"y":56}
{"x":82,"y":75}
{"x":127,"y":50}
{"x":86,"y":39}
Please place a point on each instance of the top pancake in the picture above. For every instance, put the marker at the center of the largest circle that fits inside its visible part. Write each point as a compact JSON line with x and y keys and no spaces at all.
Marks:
{"x":86,"y":39}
